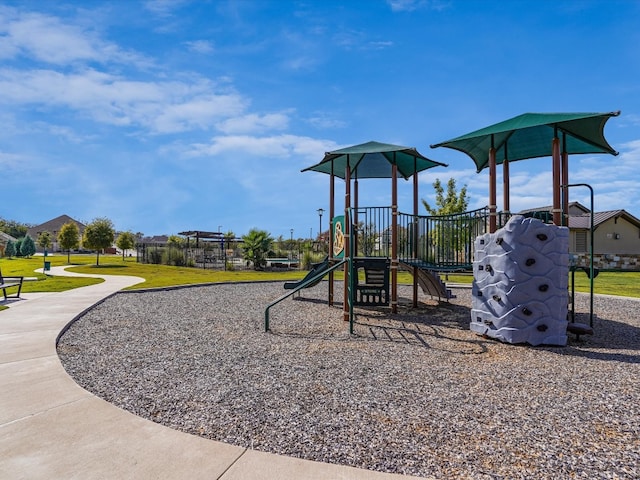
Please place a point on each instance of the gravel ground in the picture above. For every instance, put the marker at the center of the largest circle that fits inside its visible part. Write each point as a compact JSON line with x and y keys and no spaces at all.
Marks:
{"x":415,"y":393}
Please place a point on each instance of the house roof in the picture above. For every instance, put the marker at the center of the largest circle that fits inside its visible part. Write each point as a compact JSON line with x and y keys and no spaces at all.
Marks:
{"x":160,"y":239}
{"x":5,"y":237}
{"x":549,"y":208}
{"x":584,"y":221}
{"x":54,"y":225}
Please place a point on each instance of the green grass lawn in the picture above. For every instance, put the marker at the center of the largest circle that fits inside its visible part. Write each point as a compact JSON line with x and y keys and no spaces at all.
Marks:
{"x":614,"y":283}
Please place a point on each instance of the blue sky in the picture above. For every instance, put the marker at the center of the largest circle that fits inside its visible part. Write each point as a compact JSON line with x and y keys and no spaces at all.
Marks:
{"x":173,"y":115}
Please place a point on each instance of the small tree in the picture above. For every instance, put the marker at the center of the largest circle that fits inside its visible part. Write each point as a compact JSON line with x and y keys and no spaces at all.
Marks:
{"x":27,"y":247}
{"x":44,"y":240}
{"x":18,"y":245}
{"x":69,"y":238}
{"x":10,"y":249}
{"x":99,"y":235}
{"x":451,"y":203}
{"x":256,"y":245}
{"x":367,"y":238}
{"x":175,"y":241}
{"x":126,"y":241}
{"x":449,"y":233}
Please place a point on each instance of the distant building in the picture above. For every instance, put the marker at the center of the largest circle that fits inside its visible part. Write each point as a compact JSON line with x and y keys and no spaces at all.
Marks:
{"x":154,"y":240}
{"x":4,"y":239}
{"x":53,"y":226}
{"x":616,"y":235}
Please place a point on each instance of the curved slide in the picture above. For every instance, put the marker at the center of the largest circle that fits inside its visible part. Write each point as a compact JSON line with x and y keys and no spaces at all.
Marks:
{"x":316,"y":270}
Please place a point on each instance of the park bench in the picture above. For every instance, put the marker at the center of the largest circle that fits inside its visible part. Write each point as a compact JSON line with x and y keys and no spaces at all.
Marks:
{"x":9,"y":282}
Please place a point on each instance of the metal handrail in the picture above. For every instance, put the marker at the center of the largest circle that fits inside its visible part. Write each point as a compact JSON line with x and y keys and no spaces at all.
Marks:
{"x":304,"y":284}
{"x":439,"y":241}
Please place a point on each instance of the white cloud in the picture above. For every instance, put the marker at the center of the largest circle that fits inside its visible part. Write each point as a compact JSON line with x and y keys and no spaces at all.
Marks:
{"x":412,"y":5}
{"x":198,"y":112}
{"x":163,"y":8}
{"x":325,"y":121}
{"x":279,"y":146}
{"x":10,"y":160}
{"x":200,"y":46}
{"x":379,"y":45}
{"x":254,"y":123}
{"x":47,"y":39}
{"x":163,"y":107}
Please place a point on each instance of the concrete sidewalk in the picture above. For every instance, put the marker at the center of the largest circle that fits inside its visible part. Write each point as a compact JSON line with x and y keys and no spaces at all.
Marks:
{"x":52,"y":428}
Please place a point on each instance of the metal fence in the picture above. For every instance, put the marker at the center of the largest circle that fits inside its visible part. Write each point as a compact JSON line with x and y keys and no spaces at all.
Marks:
{"x":441,"y":241}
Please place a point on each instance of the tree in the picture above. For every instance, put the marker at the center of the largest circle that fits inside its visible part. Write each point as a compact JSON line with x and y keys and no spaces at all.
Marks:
{"x":18,"y":245}
{"x":367,"y":236}
{"x":126,"y":241}
{"x":13,"y":228}
{"x":69,"y":238}
{"x":256,"y":245}
{"x":175,"y":241}
{"x":27,"y":247}
{"x":229,"y":238}
{"x":44,"y":240}
{"x":451,"y":203}
{"x":451,"y":228}
{"x":99,"y":235}
{"x":10,"y":249}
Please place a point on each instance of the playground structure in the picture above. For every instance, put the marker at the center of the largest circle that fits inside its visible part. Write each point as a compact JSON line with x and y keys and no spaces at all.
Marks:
{"x":425,"y":246}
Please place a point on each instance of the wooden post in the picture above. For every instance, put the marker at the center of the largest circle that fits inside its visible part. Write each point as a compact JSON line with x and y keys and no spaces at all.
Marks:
{"x":492,"y":188}
{"x":347,"y":230}
{"x":355,"y":213}
{"x":332,"y":213}
{"x":506,"y":194}
{"x":394,"y":236}
{"x":565,"y":181}
{"x":557,"y":207}
{"x":414,"y":252}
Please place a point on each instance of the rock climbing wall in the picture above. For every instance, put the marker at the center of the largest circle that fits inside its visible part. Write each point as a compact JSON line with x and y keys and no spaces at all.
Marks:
{"x":521,"y":275}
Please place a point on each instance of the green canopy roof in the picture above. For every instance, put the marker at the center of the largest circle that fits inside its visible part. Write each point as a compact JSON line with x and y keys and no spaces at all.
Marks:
{"x":374,"y":160}
{"x":529,"y":136}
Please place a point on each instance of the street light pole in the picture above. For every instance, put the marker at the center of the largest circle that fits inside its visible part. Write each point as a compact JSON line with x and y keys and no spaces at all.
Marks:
{"x":320,"y":212}
{"x":290,"y":249}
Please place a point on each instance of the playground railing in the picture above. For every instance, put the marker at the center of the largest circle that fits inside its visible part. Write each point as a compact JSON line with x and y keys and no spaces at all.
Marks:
{"x":438,"y":241}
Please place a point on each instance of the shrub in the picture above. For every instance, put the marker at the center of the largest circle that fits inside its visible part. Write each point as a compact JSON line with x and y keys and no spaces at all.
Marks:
{"x":10,"y":250}
{"x":155,"y":257}
{"x":307,"y":260}
{"x":28,"y":246}
{"x":173,"y":256}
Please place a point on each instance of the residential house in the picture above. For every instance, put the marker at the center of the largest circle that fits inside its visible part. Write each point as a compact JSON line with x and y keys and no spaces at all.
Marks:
{"x":616,"y":236}
{"x":4,"y":239}
{"x":53,"y":226}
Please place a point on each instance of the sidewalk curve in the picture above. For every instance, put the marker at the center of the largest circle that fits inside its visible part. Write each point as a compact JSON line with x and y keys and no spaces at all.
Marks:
{"x":50,"y":427}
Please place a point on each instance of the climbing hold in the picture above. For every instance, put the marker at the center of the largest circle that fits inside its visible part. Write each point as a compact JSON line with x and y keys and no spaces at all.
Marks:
{"x":530,"y":261}
{"x":541,"y":236}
